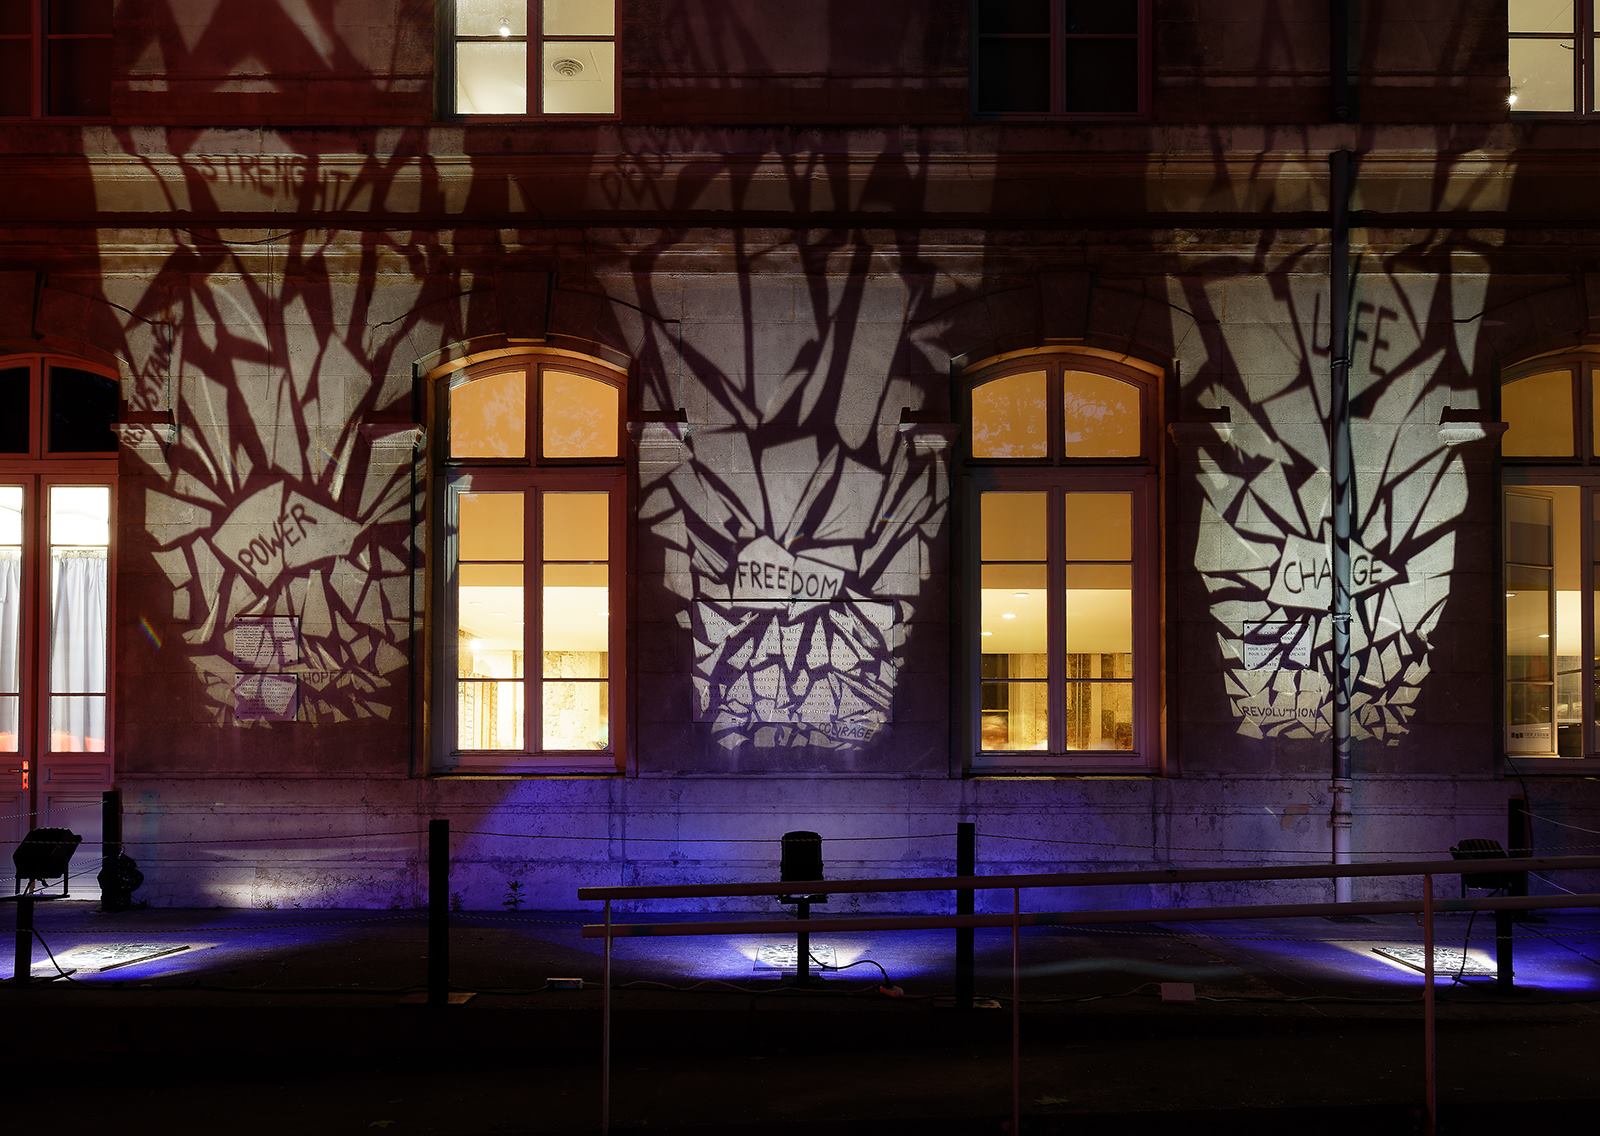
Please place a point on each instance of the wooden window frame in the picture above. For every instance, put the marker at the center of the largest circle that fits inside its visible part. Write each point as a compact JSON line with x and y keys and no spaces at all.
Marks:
{"x":1056,"y":475}
{"x":1059,"y":38}
{"x":52,"y":771}
{"x":1579,"y":470}
{"x":535,"y":39}
{"x":39,"y":37}
{"x":1584,"y":49}
{"x":531,"y":475}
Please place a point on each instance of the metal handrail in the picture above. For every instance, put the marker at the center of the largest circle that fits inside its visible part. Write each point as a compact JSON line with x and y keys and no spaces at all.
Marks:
{"x":1427,"y":905}
{"x":1095,"y":879}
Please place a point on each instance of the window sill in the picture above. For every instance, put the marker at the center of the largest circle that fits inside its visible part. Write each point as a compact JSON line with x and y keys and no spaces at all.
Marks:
{"x":554,"y":767}
{"x":1552,"y":766}
{"x":1086,"y":765}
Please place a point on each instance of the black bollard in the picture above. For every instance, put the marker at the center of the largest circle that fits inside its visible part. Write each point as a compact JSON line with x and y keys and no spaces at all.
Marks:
{"x":438,"y":912}
{"x":966,"y":865}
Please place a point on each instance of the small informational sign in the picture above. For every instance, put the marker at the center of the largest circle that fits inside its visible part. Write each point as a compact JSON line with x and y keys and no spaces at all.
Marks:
{"x":266,"y":643}
{"x":266,"y":697}
{"x":1531,"y":737}
{"x":1276,"y":644}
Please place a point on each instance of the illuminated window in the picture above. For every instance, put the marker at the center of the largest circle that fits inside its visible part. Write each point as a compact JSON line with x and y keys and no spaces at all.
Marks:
{"x":1551,"y":506}
{"x":1061,"y":57}
{"x":57,"y":502}
{"x":55,"y":58}
{"x":529,"y":511}
{"x":1064,"y":615}
{"x":1551,"y":56}
{"x":531,"y":58}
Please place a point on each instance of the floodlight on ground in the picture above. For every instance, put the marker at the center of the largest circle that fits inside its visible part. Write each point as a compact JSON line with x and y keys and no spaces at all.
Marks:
{"x":44,"y":855}
{"x":801,"y":862}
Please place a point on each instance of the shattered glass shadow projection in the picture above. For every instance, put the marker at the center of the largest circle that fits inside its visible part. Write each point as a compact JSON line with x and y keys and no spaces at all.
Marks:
{"x":1265,"y":553}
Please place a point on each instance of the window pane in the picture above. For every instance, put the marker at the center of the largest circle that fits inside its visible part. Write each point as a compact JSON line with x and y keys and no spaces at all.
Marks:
{"x":576,"y":715}
{"x":79,"y":76}
{"x":1538,"y":414}
{"x":1013,"y":608}
{"x":1542,"y":74}
{"x":1009,"y":416}
{"x":489,"y":632}
{"x":576,"y":621}
{"x":1013,"y":75}
{"x":1011,"y":526}
{"x":10,"y":516}
{"x":80,"y":516}
{"x":78,"y":17}
{"x":575,"y":526}
{"x":10,"y":708}
{"x":492,"y":78}
{"x":78,"y":725}
{"x":489,"y":715}
{"x":1099,"y":526}
{"x":1100,"y":416}
{"x":1539,"y":15}
{"x":1529,"y":529}
{"x":998,"y":16}
{"x":14,"y":412}
{"x":1100,"y":715}
{"x":491,"y":526}
{"x":83,"y":405}
{"x":1101,"y":16}
{"x":1099,"y":613}
{"x":578,"y":416}
{"x":15,"y":19}
{"x":16,"y":77}
{"x":1529,"y":718}
{"x":1528,"y":619}
{"x":579,"y":17}
{"x":579,"y":77}
{"x":487,"y":17}
{"x":1101,"y":76}
{"x":1014,"y":715}
{"x":489,"y":416}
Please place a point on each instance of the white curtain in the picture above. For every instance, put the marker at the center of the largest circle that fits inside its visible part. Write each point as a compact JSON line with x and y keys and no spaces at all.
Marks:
{"x":10,"y":645}
{"x":78,"y":649}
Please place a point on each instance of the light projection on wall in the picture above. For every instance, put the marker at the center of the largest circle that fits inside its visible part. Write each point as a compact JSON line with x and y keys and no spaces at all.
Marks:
{"x":271,"y":501}
{"x":1264,"y":547}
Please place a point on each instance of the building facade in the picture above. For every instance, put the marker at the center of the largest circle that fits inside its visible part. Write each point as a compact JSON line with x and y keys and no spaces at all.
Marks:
{"x":635,"y":430}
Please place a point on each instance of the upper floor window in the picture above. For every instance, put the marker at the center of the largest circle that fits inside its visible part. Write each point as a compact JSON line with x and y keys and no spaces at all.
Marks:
{"x":55,"y":58}
{"x":528,"y":598}
{"x":1061,"y":57}
{"x":532,"y":58}
{"x":1551,"y":54}
{"x":1551,"y":512}
{"x":1064,"y":618}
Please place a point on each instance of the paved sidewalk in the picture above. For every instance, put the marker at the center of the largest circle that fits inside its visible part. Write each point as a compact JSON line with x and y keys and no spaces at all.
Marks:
{"x":268,"y":1021}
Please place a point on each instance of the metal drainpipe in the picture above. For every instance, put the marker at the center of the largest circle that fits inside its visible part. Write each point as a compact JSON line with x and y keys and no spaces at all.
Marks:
{"x":1343,"y":494}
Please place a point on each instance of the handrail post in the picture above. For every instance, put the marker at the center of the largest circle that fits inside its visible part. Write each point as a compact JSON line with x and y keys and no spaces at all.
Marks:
{"x":605,"y":1032}
{"x":1430,"y":1086}
{"x":966,"y":904}
{"x":1016,"y":1010}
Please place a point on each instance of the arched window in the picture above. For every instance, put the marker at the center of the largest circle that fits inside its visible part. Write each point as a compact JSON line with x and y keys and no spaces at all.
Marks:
{"x":1064,"y":615}
{"x":1551,"y":486}
{"x":58,"y":463}
{"x":528,"y":598}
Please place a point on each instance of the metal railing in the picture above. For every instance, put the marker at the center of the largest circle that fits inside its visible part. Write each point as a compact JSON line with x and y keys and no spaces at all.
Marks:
{"x":1426,"y":905}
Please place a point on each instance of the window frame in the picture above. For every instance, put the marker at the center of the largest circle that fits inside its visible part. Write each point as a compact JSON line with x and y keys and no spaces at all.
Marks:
{"x":1058,"y":36}
{"x":1056,"y":475}
{"x":39,"y":37}
{"x":446,"y":57}
{"x":531,"y":475}
{"x":1579,"y":470}
{"x":1583,"y":34}
{"x":54,"y":772}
